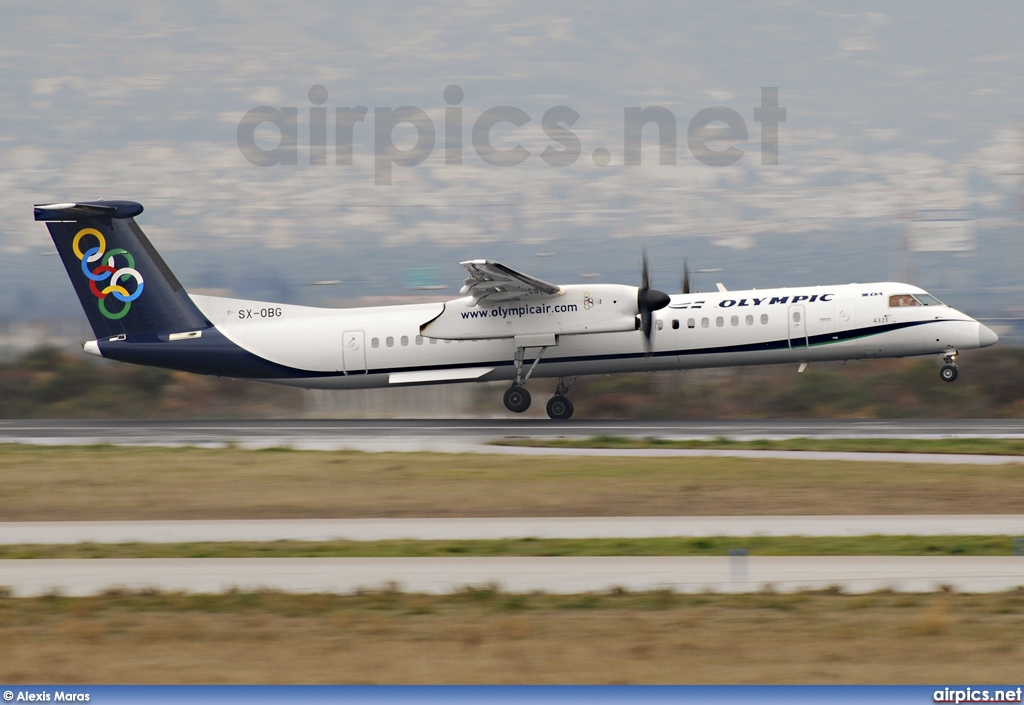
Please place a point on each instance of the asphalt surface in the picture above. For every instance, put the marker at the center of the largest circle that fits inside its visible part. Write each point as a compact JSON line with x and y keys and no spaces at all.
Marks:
{"x":555,"y":575}
{"x":462,"y":435}
{"x":70,"y":532}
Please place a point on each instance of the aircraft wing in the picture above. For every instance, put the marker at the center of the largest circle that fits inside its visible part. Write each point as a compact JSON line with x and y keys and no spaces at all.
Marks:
{"x":493,"y":281}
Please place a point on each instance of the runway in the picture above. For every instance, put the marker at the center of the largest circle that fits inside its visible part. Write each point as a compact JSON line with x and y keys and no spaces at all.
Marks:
{"x":70,"y":532}
{"x":562,"y":575}
{"x":470,"y":435}
{"x":75,"y":577}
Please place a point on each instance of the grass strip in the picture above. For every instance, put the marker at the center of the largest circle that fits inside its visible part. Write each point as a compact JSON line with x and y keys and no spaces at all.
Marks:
{"x":955,"y":446}
{"x":704,"y":546}
{"x":481,"y":635}
{"x":72,"y":483}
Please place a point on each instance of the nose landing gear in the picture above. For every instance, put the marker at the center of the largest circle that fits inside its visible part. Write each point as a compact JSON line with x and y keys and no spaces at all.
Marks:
{"x":949,"y":371}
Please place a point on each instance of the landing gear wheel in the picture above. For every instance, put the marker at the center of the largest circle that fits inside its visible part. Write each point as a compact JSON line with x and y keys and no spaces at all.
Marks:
{"x":949,"y":373}
{"x":560,"y":407}
{"x":517,"y":399}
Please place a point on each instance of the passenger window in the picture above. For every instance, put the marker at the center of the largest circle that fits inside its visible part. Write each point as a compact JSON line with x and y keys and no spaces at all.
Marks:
{"x":796,"y":316}
{"x":764,"y":319}
{"x":675,"y":324}
{"x":735,"y":320}
{"x":661,"y":324}
{"x":690,"y":323}
{"x":405,"y":340}
{"x":433,"y":341}
{"x":375,"y":342}
{"x":390,"y":342}
{"x":719,"y":321}
{"x":750,"y":320}
{"x":419,"y":340}
{"x":703,"y":323}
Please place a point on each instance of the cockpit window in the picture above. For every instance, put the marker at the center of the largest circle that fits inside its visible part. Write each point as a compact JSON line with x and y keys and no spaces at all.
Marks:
{"x":903,"y":300}
{"x":914,"y":300}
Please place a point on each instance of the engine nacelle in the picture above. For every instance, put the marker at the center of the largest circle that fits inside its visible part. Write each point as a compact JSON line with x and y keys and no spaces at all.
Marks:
{"x":577,"y":309}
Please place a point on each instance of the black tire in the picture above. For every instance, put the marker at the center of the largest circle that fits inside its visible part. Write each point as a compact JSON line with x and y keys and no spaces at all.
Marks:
{"x":949,"y":373}
{"x":560,"y":407}
{"x":517,"y":399}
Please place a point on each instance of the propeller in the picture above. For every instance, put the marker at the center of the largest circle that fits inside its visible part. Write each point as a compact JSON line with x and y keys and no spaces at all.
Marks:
{"x":648,"y":301}
{"x":686,"y":277}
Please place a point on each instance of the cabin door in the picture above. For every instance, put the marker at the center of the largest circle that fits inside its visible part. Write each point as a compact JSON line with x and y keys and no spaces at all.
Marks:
{"x":354,"y":352}
{"x":797,"y":327}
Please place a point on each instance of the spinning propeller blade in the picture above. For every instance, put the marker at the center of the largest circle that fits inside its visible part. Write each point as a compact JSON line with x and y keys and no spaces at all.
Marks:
{"x":648,"y":301}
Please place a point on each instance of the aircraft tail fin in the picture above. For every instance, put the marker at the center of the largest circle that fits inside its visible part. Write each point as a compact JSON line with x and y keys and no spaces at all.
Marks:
{"x":122,"y":282}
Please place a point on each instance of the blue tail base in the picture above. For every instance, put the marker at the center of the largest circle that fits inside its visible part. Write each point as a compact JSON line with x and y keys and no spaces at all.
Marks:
{"x":210,"y":354}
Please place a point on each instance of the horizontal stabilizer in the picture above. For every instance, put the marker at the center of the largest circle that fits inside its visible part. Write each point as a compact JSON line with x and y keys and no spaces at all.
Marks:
{"x":87,"y":210}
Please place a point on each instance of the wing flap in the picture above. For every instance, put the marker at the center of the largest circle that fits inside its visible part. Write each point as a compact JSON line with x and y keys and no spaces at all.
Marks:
{"x":431,"y":376}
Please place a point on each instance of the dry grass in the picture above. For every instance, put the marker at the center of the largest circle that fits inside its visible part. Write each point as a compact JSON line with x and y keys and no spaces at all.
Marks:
{"x":662,"y":546}
{"x":955,"y":446}
{"x":482,"y":636}
{"x":75,"y":483}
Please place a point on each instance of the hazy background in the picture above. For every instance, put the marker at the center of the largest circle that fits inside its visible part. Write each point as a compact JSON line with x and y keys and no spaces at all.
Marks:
{"x":892,"y":111}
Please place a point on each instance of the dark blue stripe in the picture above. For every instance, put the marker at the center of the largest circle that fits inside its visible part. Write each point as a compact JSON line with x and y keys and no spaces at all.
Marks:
{"x":214,"y":354}
{"x":211,"y":354}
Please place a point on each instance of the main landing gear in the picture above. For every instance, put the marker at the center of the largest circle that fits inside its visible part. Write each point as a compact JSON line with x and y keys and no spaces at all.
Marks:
{"x":949,"y":371}
{"x":517,"y":399}
{"x":560,"y":406}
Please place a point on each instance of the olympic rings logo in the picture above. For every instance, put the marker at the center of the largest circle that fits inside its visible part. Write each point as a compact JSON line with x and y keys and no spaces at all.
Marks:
{"x":108,"y":269}
{"x":588,"y":302}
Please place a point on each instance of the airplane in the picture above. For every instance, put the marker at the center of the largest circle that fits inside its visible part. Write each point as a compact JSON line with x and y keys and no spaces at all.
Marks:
{"x":506,"y":326}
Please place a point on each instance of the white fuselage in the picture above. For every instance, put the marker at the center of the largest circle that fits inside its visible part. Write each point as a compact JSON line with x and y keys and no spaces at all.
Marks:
{"x":587,"y":331}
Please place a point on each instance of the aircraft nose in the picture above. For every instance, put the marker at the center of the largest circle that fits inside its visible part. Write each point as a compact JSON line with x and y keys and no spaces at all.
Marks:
{"x":986,"y":336}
